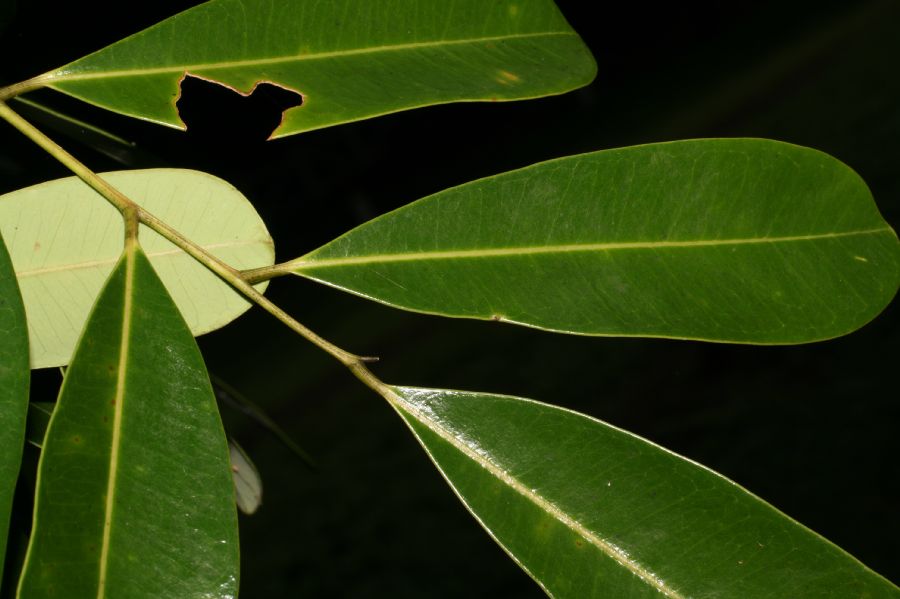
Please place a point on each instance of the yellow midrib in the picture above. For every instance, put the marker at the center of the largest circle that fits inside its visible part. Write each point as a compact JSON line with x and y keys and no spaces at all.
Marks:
{"x":310,"y":262}
{"x":117,"y":418}
{"x":529,"y":494}
{"x":64,"y":75}
{"x":23,"y":274}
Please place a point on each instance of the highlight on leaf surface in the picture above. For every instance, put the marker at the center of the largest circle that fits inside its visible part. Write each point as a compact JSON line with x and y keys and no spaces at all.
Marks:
{"x":349,"y":59}
{"x":730,"y":240}
{"x":64,"y":240}
{"x":589,"y":510}
{"x":134,"y":495}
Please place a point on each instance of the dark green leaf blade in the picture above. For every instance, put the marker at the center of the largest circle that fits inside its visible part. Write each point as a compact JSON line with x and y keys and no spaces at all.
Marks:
{"x":14,"y":379}
{"x":134,"y":495}
{"x":589,"y":510}
{"x":350,"y":60}
{"x":733,"y":240}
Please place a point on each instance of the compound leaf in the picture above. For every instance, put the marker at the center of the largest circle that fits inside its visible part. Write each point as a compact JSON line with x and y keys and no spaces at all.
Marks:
{"x":349,"y":59}
{"x":64,"y":240}
{"x":134,"y":495}
{"x":733,"y":240}
{"x":589,"y":510}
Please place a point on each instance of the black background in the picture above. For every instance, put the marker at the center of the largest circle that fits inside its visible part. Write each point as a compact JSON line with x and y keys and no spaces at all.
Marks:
{"x":809,"y":428}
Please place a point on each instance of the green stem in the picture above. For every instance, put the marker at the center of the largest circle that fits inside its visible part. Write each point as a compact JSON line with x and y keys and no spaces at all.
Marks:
{"x":265,"y":273}
{"x":134,"y":214}
{"x":11,"y":91}
{"x":112,"y":195}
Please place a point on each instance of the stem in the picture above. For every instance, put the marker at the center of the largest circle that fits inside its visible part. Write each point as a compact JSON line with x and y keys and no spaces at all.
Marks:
{"x":115,"y":197}
{"x":134,"y":214}
{"x":265,"y":273}
{"x":11,"y":91}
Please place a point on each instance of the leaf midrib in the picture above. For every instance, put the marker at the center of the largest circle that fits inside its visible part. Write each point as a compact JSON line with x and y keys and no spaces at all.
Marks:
{"x":64,"y":75}
{"x":608,"y":549}
{"x":118,"y":401}
{"x":310,"y":262}
{"x":152,"y":255}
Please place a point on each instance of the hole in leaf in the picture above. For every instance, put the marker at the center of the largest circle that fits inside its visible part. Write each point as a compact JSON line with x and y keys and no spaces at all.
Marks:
{"x":214,"y":112}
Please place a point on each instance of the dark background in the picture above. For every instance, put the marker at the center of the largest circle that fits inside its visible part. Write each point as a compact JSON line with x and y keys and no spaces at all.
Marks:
{"x":809,"y":428}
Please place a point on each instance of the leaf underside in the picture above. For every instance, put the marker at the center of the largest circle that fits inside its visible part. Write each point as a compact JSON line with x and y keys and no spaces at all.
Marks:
{"x":134,"y":496}
{"x":731,"y":240}
{"x":14,"y":382}
{"x":64,"y":240}
{"x":350,"y":60}
{"x":589,"y":510}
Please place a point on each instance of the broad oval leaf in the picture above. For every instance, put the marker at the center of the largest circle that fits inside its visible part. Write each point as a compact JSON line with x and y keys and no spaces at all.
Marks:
{"x":733,"y":240}
{"x":14,"y":379}
{"x":589,"y":510}
{"x":64,"y":240}
{"x":349,"y":59}
{"x":134,"y":495}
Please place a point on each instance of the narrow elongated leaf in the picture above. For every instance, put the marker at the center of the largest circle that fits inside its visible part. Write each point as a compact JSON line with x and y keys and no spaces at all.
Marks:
{"x":350,"y":59}
{"x":14,"y":378}
{"x":64,"y":240}
{"x":134,"y":496}
{"x":589,"y":510}
{"x":740,"y":240}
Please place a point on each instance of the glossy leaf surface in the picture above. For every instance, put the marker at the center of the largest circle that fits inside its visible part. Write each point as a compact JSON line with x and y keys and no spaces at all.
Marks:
{"x":589,"y":510}
{"x":64,"y":240}
{"x":134,"y":495}
{"x":349,"y":59}
{"x":741,"y":240}
{"x":14,"y":378}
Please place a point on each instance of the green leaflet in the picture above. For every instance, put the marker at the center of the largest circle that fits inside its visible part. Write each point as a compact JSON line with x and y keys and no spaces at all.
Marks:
{"x":350,"y":59}
{"x":14,"y":379}
{"x":64,"y":240}
{"x":589,"y":510}
{"x":733,"y":240}
{"x":246,"y":478}
{"x":134,"y":495}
